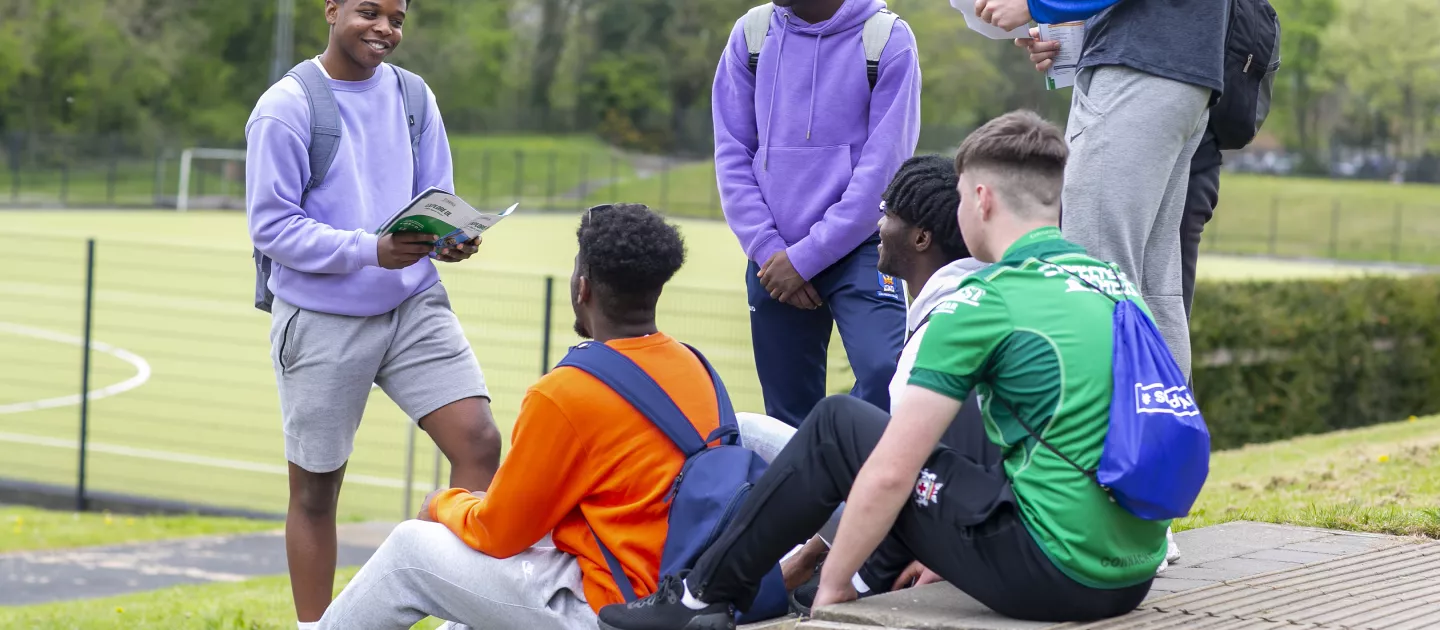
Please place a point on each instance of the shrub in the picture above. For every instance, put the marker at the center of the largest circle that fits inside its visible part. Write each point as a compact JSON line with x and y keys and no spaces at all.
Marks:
{"x":1278,"y":359}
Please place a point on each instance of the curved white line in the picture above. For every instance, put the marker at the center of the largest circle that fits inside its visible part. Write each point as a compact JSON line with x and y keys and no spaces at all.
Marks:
{"x":142,"y":369}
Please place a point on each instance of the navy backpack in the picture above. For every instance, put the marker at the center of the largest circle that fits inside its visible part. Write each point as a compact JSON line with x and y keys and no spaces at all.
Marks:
{"x":711,"y":484}
{"x":1157,"y":449}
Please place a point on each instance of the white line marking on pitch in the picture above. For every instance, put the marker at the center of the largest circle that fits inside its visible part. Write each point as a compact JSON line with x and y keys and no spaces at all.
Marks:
{"x":185,"y":458}
{"x":142,"y":369}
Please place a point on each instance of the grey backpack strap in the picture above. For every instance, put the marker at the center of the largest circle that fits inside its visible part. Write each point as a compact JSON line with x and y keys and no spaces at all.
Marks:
{"x":417,"y":114}
{"x":324,"y":122}
{"x":324,"y":144}
{"x":757,"y":24}
{"x":875,"y":36}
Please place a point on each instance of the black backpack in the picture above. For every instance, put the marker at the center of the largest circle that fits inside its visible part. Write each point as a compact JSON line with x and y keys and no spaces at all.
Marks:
{"x":1252,"y":57}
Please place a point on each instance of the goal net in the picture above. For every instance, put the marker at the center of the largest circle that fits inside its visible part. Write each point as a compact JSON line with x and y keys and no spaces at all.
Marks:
{"x":211,"y":178}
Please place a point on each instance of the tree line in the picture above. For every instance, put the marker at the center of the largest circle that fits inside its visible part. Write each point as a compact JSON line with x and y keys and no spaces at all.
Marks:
{"x":638,"y":72}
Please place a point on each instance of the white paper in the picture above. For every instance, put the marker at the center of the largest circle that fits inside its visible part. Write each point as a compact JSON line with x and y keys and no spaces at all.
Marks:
{"x":967,"y":7}
{"x":1071,"y":36}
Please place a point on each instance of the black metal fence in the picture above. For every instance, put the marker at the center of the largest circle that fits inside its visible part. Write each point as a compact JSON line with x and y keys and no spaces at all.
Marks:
{"x":110,"y":172}
{"x":182,"y":405}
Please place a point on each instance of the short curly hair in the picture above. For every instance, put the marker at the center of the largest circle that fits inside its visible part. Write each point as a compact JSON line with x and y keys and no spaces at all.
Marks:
{"x":630,"y":252}
{"x":924,"y":193}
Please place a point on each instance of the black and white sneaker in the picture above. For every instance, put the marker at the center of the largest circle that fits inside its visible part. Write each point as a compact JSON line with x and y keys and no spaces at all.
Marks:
{"x":664,"y":610}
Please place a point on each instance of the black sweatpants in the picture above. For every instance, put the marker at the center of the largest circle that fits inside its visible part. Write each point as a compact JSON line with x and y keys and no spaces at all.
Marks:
{"x":962,"y":522}
{"x":1201,"y":198}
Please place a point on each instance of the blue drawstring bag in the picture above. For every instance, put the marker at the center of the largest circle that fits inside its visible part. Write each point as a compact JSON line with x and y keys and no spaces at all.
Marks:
{"x":1156,"y":455}
{"x":1157,"y":452}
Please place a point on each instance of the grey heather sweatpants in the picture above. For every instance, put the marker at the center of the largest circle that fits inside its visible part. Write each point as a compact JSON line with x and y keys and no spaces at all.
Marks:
{"x":422,"y":569}
{"x":1131,"y":137}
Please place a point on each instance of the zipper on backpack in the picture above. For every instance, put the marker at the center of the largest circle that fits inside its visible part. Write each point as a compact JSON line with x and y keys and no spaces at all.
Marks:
{"x":675,"y":485}
{"x":1248,"y":59}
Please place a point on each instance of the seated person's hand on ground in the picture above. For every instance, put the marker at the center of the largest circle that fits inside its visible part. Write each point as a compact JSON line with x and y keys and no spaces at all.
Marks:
{"x":799,"y":568}
{"x":457,"y":254}
{"x":1042,"y":54}
{"x":916,"y":575}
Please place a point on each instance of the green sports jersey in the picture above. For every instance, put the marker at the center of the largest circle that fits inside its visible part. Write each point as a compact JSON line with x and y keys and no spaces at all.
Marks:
{"x":1037,"y":341}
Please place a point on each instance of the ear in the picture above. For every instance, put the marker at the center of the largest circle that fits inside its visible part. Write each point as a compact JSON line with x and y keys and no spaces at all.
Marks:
{"x":582,"y":291}
{"x":985,"y":201}
{"x":923,"y":239}
{"x":332,"y":12}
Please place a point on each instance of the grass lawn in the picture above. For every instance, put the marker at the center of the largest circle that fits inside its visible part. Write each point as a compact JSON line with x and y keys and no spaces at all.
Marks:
{"x":260,"y":604}
{"x":1378,"y":479}
{"x":31,"y":529}
{"x":1383,"y":479}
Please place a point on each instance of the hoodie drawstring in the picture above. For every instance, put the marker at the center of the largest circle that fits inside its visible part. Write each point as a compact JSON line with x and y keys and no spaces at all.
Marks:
{"x":775,"y":86}
{"x":814,"y":83}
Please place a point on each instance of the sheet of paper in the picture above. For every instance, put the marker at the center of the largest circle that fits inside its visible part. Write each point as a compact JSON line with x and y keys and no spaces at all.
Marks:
{"x":1071,"y":36}
{"x":967,"y":7}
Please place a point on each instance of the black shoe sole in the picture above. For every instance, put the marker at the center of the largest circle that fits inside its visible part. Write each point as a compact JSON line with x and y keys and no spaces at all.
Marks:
{"x":712,"y":621}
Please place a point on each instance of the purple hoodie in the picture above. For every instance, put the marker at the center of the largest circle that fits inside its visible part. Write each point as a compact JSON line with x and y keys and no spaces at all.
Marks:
{"x":801,"y":168}
{"x":325,"y":255}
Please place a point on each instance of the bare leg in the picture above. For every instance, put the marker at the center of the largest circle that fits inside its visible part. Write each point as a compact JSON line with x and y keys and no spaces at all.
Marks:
{"x":310,"y":539}
{"x":466,"y":433}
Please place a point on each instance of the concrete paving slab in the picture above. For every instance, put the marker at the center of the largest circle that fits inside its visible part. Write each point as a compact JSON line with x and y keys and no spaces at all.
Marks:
{"x":1290,"y":555}
{"x":1239,"y":538}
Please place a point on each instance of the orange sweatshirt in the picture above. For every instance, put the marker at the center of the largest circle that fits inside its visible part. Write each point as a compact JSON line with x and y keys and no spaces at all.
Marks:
{"x":579,"y":448}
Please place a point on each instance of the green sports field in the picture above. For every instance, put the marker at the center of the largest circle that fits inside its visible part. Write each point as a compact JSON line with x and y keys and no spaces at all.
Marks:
{"x":183,"y":397}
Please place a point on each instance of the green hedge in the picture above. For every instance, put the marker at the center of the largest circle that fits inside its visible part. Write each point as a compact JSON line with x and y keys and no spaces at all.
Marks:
{"x":1279,"y":359}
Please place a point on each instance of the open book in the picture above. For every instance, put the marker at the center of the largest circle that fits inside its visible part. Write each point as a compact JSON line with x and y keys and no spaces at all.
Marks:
{"x":443,"y":214}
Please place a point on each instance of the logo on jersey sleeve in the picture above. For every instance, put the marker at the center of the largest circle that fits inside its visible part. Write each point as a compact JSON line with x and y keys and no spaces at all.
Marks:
{"x":970,"y":295}
{"x":927,"y":489}
{"x":889,"y":287}
{"x":1157,"y":398}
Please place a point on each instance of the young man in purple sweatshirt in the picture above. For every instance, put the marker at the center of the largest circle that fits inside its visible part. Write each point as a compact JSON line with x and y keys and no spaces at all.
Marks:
{"x":352,"y":308}
{"x":804,"y":147}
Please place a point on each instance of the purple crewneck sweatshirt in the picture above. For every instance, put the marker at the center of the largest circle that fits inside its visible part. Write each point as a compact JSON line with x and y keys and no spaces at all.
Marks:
{"x":803,"y":148}
{"x":325,"y":255}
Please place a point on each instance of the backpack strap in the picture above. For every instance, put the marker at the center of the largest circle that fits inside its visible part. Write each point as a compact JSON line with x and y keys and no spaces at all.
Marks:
{"x":757,"y":24}
{"x":875,"y":36}
{"x":626,"y":378}
{"x":417,"y":113}
{"x":621,"y":374}
{"x":617,"y":570}
{"x":324,"y":122}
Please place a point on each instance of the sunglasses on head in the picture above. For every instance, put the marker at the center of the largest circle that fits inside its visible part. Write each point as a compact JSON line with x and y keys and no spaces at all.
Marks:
{"x":601,"y":207}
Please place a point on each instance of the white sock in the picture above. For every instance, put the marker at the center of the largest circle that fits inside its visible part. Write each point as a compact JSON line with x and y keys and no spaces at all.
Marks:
{"x":690,"y":601}
{"x":860,"y":586}
{"x":309,"y":625}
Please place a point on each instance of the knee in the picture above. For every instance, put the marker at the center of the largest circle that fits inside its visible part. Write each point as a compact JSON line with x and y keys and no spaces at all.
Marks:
{"x":833,"y":411}
{"x":315,"y":498}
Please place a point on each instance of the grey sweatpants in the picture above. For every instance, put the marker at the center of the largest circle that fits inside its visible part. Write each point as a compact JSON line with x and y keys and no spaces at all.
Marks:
{"x":1131,"y":137}
{"x":423,"y":569}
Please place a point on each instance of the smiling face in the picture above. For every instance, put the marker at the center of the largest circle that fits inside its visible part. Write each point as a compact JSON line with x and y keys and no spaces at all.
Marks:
{"x":366,"y":31}
{"x":897,"y":245}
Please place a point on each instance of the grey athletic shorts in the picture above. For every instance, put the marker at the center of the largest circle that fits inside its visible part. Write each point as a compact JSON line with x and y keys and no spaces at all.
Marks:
{"x":325,"y":365}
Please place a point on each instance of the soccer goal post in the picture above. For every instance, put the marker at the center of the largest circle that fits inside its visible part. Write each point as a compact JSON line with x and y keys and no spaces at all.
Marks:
{"x":182,"y":200}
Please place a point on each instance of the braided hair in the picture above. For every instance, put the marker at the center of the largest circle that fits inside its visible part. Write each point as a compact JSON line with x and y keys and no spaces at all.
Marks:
{"x":924,"y":193}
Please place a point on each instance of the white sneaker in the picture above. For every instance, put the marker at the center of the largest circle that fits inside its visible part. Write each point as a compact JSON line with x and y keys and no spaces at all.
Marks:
{"x":1172,"y":551}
